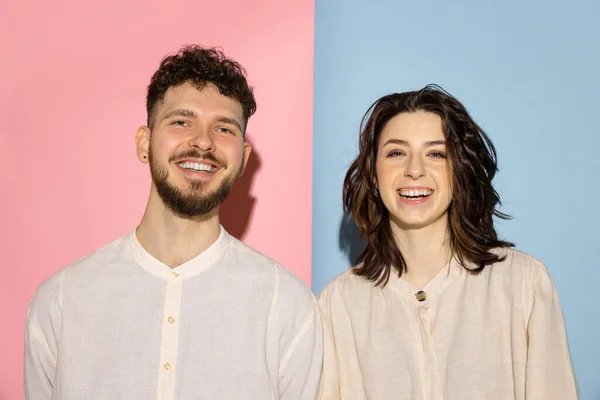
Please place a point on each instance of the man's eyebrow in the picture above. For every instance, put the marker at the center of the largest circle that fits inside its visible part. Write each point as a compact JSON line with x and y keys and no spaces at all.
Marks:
{"x":232,"y":121}
{"x":180,"y":112}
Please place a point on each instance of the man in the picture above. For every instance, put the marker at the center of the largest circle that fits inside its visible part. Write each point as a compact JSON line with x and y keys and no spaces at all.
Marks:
{"x":178,"y":309}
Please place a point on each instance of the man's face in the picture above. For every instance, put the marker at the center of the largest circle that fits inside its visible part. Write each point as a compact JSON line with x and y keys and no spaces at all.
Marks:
{"x":196,"y":149}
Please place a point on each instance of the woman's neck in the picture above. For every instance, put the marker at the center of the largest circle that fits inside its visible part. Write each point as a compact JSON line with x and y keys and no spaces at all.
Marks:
{"x":426,"y":250}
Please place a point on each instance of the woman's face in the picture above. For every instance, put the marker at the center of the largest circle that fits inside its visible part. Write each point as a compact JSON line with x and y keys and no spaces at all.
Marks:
{"x":413,"y":172}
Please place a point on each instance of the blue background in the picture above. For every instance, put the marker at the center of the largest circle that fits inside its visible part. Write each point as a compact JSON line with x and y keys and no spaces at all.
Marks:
{"x":529,"y":74}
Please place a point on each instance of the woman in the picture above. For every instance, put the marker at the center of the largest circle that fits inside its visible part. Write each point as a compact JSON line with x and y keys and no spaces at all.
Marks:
{"x":438,"y":307}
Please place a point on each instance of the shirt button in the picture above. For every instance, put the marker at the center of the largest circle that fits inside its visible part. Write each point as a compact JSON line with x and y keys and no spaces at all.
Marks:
{"x":421,"y":295}
{"x":170,"y":320}
{"x":175,"y":274}
{"x":167,"y":366}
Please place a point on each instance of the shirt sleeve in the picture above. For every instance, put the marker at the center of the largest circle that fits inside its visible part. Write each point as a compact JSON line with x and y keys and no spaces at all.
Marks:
{"x":301,"y":364}
{"x":549,"y":373}
{"x":295,"y":339}
{"x":42,"y":330}
{"x":329,"y":387}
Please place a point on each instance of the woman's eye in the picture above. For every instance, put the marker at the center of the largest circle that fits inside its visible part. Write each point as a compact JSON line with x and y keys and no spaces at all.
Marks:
{"x":395,"y":153}
{"x":437,"y":154}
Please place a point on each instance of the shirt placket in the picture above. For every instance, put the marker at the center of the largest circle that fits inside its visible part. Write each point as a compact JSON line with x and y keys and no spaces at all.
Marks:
{"x":170,"y":337}
{"x":424,"y":315}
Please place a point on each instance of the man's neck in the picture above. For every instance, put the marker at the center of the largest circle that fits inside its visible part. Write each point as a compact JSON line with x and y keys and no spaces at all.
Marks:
{"x":426,"y":251}
{"x":172,"y":239}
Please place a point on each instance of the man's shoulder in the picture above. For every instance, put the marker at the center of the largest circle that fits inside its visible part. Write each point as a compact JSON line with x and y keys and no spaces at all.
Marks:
{"x":49,"y":292}
{"x":288,"y":284}
{"x":103,"y":257}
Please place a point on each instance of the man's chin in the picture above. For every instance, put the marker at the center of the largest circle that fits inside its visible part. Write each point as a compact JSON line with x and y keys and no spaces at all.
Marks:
{"x":192,"y":202}
{"x":196,"y":186}
{"x":190,"y":206}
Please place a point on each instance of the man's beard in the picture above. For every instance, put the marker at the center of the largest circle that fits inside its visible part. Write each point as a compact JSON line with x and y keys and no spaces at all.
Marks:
{"x":190,"y":202}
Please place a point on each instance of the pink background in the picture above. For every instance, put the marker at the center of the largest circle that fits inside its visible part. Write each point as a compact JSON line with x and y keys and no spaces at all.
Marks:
{"x":72,"y":93}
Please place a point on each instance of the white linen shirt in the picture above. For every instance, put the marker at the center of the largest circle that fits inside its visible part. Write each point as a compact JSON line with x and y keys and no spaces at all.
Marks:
{"x":119,"y":324}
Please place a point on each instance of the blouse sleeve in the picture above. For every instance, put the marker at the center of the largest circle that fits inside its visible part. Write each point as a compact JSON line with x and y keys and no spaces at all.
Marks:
{"x":549,"y":373}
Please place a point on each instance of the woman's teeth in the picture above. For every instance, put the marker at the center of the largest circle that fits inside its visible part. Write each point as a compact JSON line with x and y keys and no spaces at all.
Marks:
{"x":414,"y":194}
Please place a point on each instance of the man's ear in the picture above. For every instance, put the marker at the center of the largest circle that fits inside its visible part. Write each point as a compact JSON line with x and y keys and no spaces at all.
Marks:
{"x":247,"y":152}
{"x":142,"y":141}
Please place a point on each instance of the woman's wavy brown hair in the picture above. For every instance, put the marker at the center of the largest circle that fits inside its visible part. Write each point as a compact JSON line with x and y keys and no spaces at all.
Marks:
{"x":473,"y":165}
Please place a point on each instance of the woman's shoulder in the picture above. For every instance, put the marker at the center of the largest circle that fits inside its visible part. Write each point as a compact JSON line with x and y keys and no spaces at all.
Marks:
{"x":344,"y":284}
{"x":518,"y":266}
{"x":517,"y":260}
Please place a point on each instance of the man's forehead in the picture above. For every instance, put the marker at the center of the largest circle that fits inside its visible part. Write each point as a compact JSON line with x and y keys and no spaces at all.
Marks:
{"x":207,"y":100}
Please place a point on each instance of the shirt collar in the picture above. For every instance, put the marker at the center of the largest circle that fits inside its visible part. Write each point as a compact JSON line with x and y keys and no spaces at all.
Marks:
{"x":433,"y":289}
{"x":195,"y":266}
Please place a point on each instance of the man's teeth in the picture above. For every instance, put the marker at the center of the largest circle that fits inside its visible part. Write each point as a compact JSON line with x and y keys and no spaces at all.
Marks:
{"x":415,"y":193}
{"x":197,"y":167}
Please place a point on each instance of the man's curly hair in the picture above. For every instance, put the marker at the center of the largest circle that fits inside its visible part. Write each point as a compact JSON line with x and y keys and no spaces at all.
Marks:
{"x":200,"y":66}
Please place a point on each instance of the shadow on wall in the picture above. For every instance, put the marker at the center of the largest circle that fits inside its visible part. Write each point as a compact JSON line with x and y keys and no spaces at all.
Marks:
{"x":236,"y":211}
{"x":350,"y":242}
